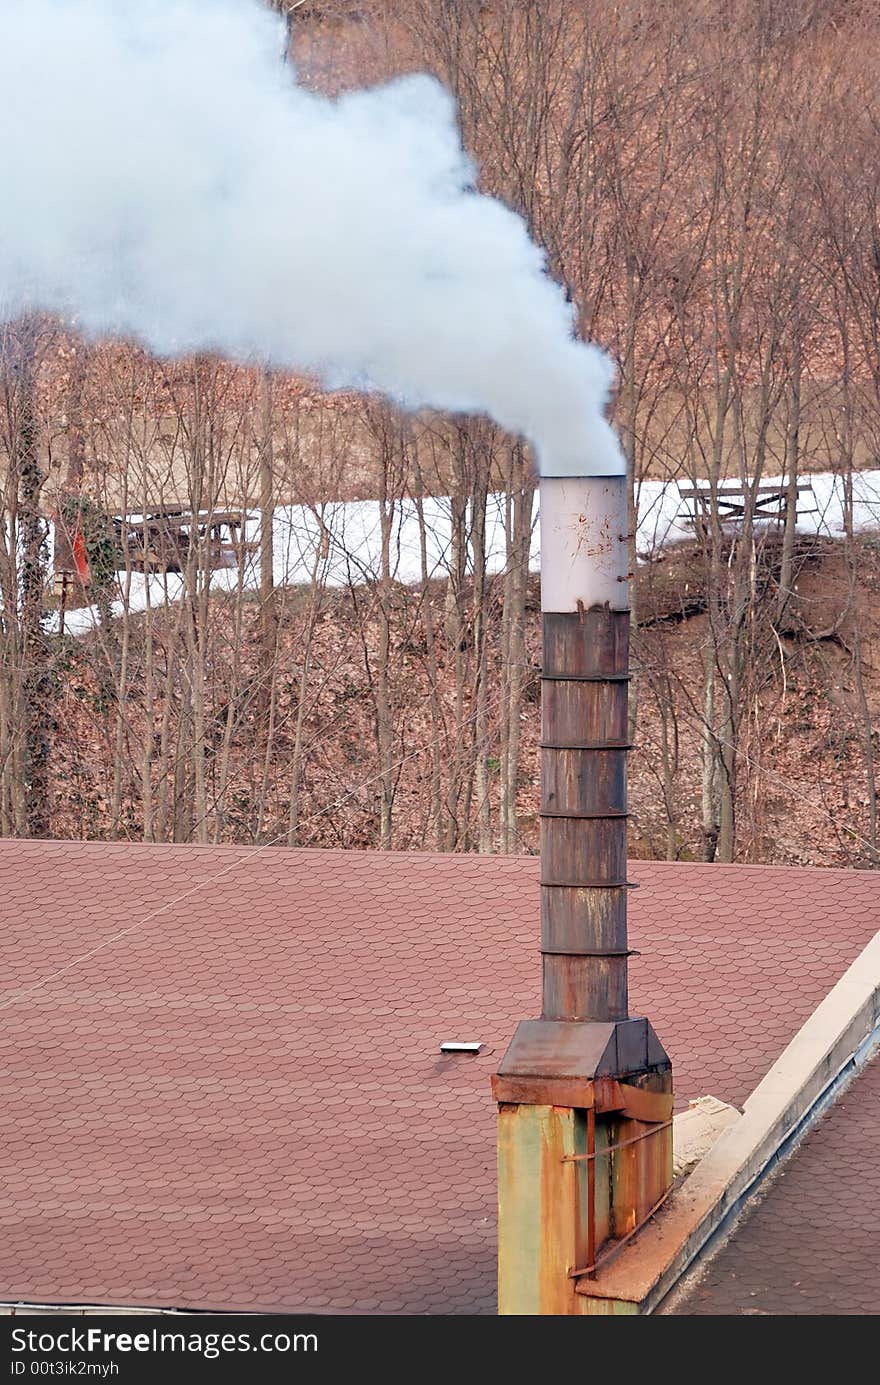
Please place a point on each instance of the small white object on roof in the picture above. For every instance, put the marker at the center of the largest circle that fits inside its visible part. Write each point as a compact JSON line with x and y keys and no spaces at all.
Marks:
{"x":454,"y":1046}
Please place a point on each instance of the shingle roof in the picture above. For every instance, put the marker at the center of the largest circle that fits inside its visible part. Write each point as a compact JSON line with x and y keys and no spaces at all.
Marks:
{"x":808,"y":1244}
{"x":220,"y":1074}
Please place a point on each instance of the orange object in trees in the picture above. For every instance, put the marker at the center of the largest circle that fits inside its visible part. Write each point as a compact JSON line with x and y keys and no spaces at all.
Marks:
{"x":80,"y":556}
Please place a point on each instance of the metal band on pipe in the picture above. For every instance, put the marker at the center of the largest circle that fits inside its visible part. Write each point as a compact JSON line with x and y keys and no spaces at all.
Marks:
{"x":585,"y":745}
{"x":588,"y":952}
{"x":586,"y":677}
{"x":588,"y":884}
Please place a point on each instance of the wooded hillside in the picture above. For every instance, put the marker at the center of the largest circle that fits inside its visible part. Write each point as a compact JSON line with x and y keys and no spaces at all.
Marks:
{"x":705,"y":181}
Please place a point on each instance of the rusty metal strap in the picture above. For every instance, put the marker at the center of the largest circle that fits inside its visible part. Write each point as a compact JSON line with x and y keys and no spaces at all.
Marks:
{"x":612,"y":1250}
{"x":607,"y":813}
{"x":621,"y":1144}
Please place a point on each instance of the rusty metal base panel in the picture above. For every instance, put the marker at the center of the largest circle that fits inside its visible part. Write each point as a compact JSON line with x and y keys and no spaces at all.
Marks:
{"x":556,"y":1061}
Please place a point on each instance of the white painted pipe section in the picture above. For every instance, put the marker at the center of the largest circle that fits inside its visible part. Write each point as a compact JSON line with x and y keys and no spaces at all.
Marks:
{"x":584,"y":546}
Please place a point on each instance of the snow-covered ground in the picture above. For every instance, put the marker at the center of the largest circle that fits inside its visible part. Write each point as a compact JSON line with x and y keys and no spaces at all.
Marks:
{"x":342,"y":543}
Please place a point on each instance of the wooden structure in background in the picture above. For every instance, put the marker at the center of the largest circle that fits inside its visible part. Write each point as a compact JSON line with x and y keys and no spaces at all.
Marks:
{"x":770,"y":503}
{"x":163,"y":540}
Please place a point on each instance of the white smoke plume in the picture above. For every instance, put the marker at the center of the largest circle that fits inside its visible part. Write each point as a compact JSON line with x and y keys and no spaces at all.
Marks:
{"x":163,"y":177}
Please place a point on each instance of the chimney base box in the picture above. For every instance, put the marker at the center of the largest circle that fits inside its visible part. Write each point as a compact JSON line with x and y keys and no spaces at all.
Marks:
{"x":545,"y":1054}
{"x":584,"y":1154}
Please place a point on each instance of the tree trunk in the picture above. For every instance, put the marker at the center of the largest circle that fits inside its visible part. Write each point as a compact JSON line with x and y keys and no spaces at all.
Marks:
{"x":384,"y":715}
{"x":516,"y":591}
{"x":438,"y":809}
{"x":36,"y":682}
{"x":76,"y":442}
{"x":481,"y":709}
{"x":268,"y":604}
{"x":709,"y":757}
{"x":792,"y":450}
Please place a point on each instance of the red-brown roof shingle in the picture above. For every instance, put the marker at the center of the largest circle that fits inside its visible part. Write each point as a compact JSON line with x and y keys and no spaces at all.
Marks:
{"x":220,"y":1073}
{"x":808,"y":1243}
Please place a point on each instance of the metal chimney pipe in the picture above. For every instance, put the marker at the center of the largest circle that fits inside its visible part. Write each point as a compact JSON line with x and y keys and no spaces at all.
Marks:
{"x":584,"y":728}
{"x":587,"y":1086}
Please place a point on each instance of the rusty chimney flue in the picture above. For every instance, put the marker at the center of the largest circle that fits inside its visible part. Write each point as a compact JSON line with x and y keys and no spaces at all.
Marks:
{"x":584,"y":729}
{"x":584,"y":1092}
